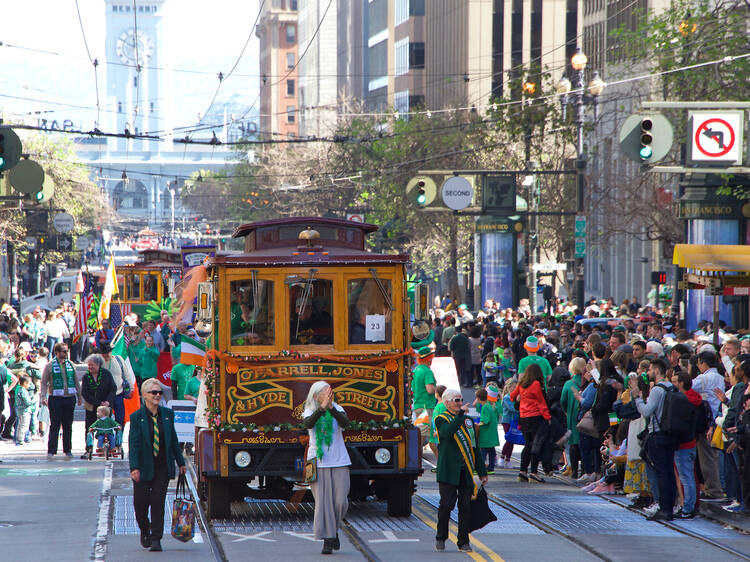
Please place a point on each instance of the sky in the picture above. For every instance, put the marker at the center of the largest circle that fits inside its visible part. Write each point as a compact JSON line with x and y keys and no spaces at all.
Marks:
{"x":43,"y":57}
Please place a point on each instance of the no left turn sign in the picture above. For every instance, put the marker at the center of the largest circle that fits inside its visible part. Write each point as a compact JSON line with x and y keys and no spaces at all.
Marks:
{"x":716,"y":137}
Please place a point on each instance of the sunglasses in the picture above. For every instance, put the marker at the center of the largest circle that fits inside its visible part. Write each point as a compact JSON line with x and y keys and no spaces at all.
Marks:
{"x":457,"y":400}
{"x":156,"y":392}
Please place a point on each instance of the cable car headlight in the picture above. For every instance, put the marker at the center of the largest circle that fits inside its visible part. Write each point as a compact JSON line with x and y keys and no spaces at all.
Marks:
{"x":242,"y":459}
{"x":382,"y":455}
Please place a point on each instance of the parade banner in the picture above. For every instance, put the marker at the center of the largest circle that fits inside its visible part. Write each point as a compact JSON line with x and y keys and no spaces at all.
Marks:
{"x":371,"y":390}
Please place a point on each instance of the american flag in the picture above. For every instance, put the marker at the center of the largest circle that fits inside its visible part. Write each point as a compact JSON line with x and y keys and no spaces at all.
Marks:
{"x":84,"y":309}
{"x":116,"y":313}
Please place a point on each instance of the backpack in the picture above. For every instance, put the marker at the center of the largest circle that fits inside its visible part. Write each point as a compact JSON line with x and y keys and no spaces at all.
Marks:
{"x":703,"y":418}
{"x":678,"y":415}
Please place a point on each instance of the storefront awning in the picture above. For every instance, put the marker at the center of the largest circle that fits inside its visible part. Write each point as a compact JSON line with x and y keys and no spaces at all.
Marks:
{"x":712,"y":258}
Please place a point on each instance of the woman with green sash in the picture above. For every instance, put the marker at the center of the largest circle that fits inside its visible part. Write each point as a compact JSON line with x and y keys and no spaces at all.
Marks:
{"x":459,"y":459}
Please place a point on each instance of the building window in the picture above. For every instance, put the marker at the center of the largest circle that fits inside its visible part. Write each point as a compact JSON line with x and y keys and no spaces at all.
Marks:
{"x":289,"y":61}
{"x":402,"y":11}
{"x":401,"y":101}
{"x":290,"y":113}
{"x":293,"y":5}
{"x":290,"y":87}
{"x":135,"y":81}
{"x":119,"y":107}
{"x":291,"y":33}
{"x":416,"y":55}
{"x":416,"y":7}
{"x":151,"y":106}
{"x":401,"y":52}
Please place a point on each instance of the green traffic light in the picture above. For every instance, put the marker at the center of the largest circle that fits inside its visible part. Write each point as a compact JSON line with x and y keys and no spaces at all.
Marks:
{"x":2,"y":163}
{"x":646,"y":152}
{"x":421,"y":198}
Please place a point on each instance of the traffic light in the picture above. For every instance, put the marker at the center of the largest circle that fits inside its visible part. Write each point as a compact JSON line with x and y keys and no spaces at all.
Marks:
{"x":10,"y":148}
{"x":208,"y":229}
{"x":499,"y":194}
{"x":646,"y":139}
{"x":421,"y":190}
{"x":658,"y":277}
{"x":44,"y":194}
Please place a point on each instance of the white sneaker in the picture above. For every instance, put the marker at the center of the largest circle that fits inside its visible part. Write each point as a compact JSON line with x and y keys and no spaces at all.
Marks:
{"x":587,"y":478}
{"x":650,"y":510}
{"x":732,"y":505}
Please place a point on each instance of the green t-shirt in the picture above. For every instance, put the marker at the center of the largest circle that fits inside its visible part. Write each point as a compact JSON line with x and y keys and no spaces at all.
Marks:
{"x":134,"y":354}
{"x":541,"y":361}
{"x":439,"y":409}
{"x":193,"y":387}
{"x":488,"y":436}
{"x":148,"y":358}
{"x":423,"y":376}
{"x":181,"y":374}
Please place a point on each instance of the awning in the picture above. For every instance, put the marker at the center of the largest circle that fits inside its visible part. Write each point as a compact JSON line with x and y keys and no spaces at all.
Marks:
{"x":712,"y":258}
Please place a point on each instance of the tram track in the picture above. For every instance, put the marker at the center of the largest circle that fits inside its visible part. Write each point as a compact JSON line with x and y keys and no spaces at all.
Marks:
{"x":670,"y":525}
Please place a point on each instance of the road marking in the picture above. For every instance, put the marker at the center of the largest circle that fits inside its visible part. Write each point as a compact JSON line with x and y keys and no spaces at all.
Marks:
{"x":255,"y":537}
{"x":391,"y":537}
{"x":42,"y":471}
{"x":431,"y":522}
{"x":305,"y":536}
{"x":102,"y":528}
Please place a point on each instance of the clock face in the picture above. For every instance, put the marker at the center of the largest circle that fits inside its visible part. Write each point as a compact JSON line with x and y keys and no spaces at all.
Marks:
{"x":129,"y":43}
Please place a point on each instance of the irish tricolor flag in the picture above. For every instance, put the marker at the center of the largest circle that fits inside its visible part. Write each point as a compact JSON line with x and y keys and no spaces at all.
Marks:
{"x":191,"y":351}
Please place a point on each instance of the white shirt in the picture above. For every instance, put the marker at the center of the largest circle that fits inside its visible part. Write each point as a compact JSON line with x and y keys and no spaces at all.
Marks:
{"x":334,"y":456}
{"x":705,"y":383}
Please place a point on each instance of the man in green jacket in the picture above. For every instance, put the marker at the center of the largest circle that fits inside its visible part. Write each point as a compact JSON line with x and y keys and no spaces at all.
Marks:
{"x":458,"y":459}
{"x":153,"y":452}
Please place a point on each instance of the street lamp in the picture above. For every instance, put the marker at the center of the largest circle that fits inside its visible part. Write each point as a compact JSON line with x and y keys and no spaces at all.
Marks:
{"x":579,"y":98}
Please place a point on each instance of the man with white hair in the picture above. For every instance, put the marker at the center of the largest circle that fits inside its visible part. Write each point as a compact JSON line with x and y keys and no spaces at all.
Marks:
{"x":655,"y":348}
{"x":458,"y":458}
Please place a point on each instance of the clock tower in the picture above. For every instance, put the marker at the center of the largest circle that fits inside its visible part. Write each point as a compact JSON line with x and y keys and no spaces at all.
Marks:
{"x":136,"y":60}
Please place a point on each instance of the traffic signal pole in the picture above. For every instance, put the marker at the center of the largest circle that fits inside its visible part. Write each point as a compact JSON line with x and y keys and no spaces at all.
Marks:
{"x":580,"y":263}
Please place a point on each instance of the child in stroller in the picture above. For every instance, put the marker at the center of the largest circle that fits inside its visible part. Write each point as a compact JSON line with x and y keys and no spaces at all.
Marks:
{"x":106,"y":431}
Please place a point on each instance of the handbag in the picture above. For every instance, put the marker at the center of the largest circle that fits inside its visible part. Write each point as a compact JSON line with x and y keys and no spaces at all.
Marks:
{"x":480,"y":513}
{"x":643,"y":438}
{"x":183,"y":512}
{"x":514,"y":434}
{"x":311,"y":468}
{"x":717,"y":439}
{"x":587,"y":425}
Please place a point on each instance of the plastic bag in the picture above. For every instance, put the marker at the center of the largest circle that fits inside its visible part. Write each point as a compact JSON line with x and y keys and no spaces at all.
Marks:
{"x":183,"y":513}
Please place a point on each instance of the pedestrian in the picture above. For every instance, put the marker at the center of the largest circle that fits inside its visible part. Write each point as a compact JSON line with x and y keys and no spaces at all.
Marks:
{"x":123,"y":377}
{"x":706,"y":384}
{"x":458,"y":458}
{"x":60,"y":392}
{"x":154,"y":450}
{"x":572,"y":408}
{"x":660,"y":446}
{"x":325,"y":420}
{"x":488,"y":437}
{"x":24,"y":405}
{"x":532,"y":347}
{"x":534,"y":416}
{"x":509,"y":415}
{"x":423,"y":389}
{"x":97,"y":389}
{"x":684,"y":456}
{"x":459,"y":348}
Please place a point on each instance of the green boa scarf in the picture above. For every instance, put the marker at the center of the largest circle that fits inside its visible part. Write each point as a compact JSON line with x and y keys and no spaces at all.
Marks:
{"x":323,"y":433}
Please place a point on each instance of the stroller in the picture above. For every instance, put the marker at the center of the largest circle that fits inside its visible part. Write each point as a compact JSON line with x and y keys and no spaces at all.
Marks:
{"x":109,"y":442}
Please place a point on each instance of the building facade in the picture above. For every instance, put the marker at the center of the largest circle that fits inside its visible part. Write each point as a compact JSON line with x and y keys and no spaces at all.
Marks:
{"x":277,"y":31}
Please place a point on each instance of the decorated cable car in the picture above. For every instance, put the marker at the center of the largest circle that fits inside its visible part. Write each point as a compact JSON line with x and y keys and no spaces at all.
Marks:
{"x":305,"y":301}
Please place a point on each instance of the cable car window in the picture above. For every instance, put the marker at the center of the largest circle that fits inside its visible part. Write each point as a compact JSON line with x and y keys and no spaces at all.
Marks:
{"x":62,"y":287}
{"x":369,"y":313}
{"x":251,"y":312}
{"x":150,"y":287}
{"x":311,"y":314}
{"x":134,"y":286}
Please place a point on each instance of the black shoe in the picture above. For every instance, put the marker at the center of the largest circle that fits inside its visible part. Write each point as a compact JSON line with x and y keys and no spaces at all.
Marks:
{"x":327,"y":546}
{"x":523,"y":477}
{"x":534,"y":477}
{"x":465,"y":547}
{"x":686,"y":515}
{"x":155,"y":545}
{"x":145,"y":540}
{"x":641,"y":501}
{"x":336,"y":543}
{"x":660,"y":516}
{"x":439,"y":545}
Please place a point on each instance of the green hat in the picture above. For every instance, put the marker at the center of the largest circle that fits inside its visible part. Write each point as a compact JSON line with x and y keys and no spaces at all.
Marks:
{"x":424,"y":342}
{"x":425,"y":351}
{"x":462,"y":306}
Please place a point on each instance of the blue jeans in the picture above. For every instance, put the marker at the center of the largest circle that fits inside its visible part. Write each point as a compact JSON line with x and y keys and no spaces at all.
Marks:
{"x":732,"y":476}
{"x":489,"y":457}
{"x":118,"y":409}
{"x":661,"y":450}
{"x":685,"y":461}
